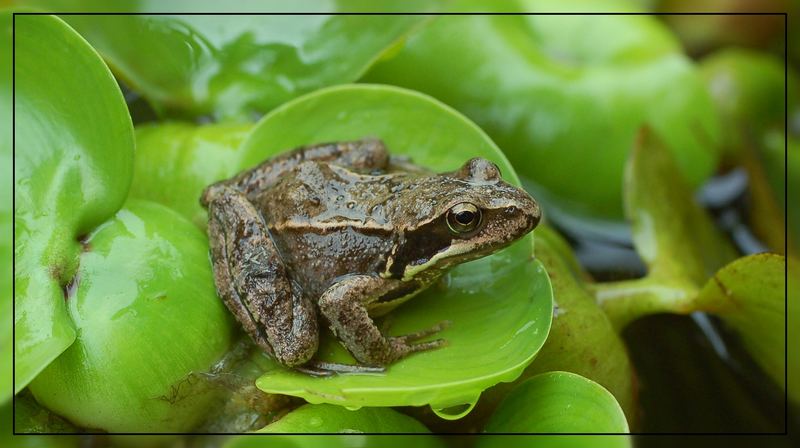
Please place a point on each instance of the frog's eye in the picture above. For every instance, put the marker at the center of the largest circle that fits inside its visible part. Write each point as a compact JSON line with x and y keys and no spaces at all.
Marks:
{"x":463,"y":218}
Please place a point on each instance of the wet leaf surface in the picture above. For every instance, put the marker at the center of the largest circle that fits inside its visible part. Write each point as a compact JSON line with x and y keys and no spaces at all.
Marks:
{"x":73,"y":163}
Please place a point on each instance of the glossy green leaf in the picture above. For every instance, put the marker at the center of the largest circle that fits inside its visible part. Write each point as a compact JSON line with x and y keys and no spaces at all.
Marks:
{"x":73,"y":161}
{"x":557,"y":441}
{"x":239,"y":65}
{"x":147,"y":318}
{"x":335,"y":419}
{"x":5,"y":206}
{"x":321,"y":418}
{"x":498,"y":321}
{"x":673,"y":235}
{"x":793,"y":330}
{"x":749,"y":296}
{"x":582,"y":339}
{"x":564,"y":96}
{"x":176,"y":161}
{"x":559,"y":402}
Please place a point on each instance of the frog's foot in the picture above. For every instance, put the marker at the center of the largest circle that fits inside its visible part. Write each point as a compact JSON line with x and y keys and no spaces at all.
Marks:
{"x":322,"y":368}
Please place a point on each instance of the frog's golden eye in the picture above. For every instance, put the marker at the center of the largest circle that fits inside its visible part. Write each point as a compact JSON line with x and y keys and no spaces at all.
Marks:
{"x":463,"y":218}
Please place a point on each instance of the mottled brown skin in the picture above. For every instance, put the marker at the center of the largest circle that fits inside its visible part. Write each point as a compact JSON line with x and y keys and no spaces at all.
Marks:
{"x":345,"y":229}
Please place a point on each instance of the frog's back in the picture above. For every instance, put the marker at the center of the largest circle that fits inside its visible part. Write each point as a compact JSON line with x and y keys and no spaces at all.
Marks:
{"x":328,"y":222}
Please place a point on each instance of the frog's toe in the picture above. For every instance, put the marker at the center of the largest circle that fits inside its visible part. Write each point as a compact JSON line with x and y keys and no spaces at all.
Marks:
{"x":322,"y":368}
{"x":411,"y":337}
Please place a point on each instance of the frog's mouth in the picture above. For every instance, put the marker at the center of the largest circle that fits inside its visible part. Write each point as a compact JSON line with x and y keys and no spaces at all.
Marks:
{"x":439,"y":258}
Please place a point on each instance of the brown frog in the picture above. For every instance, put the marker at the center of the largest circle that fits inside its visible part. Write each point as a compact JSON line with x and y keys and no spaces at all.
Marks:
{"x":345,"y":230}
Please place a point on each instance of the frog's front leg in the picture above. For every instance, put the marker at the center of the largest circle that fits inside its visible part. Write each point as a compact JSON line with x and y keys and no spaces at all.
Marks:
{"x":254,"y":283}
{"x":345,"y":306}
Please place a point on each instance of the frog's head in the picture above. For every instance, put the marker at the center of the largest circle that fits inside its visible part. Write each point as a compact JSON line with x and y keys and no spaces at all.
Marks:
{"x":462,"y":215}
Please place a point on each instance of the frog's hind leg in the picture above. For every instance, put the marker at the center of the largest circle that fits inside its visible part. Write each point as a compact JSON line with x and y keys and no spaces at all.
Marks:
{"x":254,"y":284}
{"x":364,"y":156}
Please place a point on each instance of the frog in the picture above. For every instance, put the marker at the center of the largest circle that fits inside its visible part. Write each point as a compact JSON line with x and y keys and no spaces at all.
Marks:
{"x":343,"y":232}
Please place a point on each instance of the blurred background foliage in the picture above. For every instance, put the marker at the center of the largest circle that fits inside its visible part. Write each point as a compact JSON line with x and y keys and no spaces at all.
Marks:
{"x":643,"y":226}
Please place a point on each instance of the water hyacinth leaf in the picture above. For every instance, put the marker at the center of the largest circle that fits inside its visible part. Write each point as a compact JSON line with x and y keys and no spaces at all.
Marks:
{"x":748,"y":88}
{"x":582,"y":339}
{"x":671,"y":232}
{"x":237,"y":66}
{"x":322,"y":418}
{"x":132,"y":368}
{"x":542,"y":97}
{"x":6,"y":329}
{"x":674,"y":236}
{"x":498,"y":322}
{"x":749,"y":296}
{"x":558,"y":402}
{"x":31,"y":418}
{"x":557,"y":441}
{"x":72,"y":166}
{"x":176,"y":161}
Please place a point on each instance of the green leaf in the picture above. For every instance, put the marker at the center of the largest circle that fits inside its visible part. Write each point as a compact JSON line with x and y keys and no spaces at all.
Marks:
{"x":73,"y":161}
{"x":31,"y":418}
{"x":749,"y":296}
{"x":10,"y":418}
{"x":176,"y":161}
{"x":673,"y":235}
{"x":748,"y":88}
{"x":564,"y":96}
{"x":793,"y":332}
{"x":556,"y":441}
{"x":559,"y":402}
{"x":147,"y":318}
{"x":321,"y":418}
{"x":582,"y":339}
{"x":498,"y":321}
{"x":6,"y":329}
{"x":235,"y":66}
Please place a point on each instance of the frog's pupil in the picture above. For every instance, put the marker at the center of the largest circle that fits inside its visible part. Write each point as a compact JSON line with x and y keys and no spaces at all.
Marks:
{"x":464,"y":217}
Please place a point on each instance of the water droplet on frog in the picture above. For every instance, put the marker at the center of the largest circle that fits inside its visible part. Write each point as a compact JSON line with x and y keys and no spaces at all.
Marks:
{"x":351,"y":204}
{"x":340,"y":198}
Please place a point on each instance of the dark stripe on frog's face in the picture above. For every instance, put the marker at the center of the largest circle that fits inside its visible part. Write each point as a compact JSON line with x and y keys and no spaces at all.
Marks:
{"x":420,"y":245}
